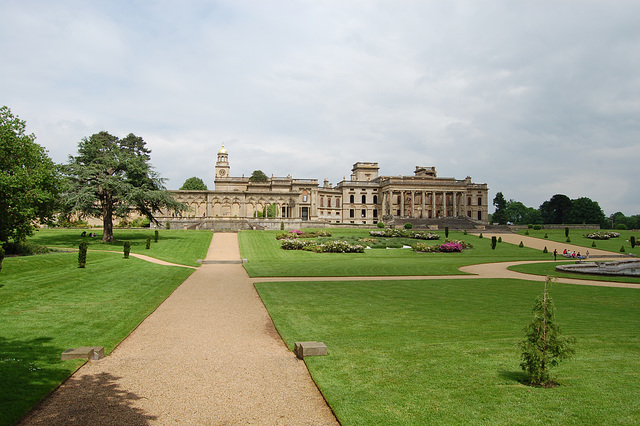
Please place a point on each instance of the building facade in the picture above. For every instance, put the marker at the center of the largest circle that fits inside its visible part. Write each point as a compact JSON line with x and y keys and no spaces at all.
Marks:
{"x":366,"y":198}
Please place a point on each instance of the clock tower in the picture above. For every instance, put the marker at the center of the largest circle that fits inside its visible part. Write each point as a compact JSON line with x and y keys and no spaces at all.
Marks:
{"x":222,"y":165}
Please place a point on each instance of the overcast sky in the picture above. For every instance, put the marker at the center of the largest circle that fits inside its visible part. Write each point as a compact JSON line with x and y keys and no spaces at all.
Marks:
{"x":533,"y":98}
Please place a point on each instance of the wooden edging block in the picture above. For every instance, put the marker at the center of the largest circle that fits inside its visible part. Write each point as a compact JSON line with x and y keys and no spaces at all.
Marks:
{"x":302,"y":349}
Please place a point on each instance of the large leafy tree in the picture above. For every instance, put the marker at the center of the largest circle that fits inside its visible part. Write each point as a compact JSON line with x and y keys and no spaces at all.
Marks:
{"x":585,"y":210}
{"x":519,"y":214}
{"x":193,"y":184}
{"x":113,"y":177}
{"x":556,"y":209}
{"x":258,"y":176}
{"x":29,"y":180}
{"x":500,"y":216}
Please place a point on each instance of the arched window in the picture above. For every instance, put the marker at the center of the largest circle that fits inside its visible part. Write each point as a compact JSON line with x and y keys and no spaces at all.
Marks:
{"x":364,"y":199}
{"x":479,"y":201}
{"x":375,"y":199}
{"x":468,"y":201}
{"x":351,"y":199}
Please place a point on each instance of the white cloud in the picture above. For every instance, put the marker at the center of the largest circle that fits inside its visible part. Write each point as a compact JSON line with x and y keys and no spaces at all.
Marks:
{"x":534,"y":98}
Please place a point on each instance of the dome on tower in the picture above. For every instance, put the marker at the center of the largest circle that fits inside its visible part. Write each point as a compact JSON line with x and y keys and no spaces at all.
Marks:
{"x":222,"y":150}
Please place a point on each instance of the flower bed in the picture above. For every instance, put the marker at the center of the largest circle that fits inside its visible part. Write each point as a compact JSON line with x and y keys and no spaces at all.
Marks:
{"x":454,"y":246}
{"x":301,"y":234}
{"x":602,"y":235}
{"x":398,"y":233}
{"x":327,"y":247}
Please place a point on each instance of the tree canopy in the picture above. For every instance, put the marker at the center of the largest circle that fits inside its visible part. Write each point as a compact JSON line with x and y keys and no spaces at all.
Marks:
{"x":258,"y":176}
{"x":112,"y":176}
{"x":585,"y":210}
{"x":193,"y":184}
{"x":556,"y":209}
{"x":500,"y":216}
{"x":29,"y":180}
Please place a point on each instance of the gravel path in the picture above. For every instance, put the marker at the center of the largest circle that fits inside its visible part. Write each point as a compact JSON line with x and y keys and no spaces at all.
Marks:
{"x":208,"y":355}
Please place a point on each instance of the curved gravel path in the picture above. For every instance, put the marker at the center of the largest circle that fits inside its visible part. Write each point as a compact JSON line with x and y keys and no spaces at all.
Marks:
{"x":209,"y":355}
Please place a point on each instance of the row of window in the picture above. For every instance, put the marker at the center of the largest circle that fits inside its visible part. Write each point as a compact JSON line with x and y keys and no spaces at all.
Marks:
{"x":363,"y":213}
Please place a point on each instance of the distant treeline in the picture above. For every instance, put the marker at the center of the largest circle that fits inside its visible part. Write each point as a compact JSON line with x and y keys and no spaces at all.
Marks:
{"x":560,"y":209}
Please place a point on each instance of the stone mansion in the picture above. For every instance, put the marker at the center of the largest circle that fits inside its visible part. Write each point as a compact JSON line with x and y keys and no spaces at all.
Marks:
{"x":366,"y":198}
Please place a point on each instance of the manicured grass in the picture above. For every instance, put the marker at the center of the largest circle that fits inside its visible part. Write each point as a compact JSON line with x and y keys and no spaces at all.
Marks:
{"x":550,"y":269}
{"x":48,"y":304}
{"x":444,"y":351}
{"x":577,"y":238}
{"x":267,"y":259}
{"x":176,"y":246}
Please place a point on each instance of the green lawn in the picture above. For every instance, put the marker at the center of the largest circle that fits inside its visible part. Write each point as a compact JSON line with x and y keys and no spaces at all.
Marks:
{"x":550,"y":269}
{"x":48,"y":304}
{"x":267,"y":259}
{"x":444,"y":351}
{"x":577,"y":238}
{"x":177,"y":246}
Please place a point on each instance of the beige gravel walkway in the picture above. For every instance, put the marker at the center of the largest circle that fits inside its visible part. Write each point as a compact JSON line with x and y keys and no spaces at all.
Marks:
{"x":209,"y":355}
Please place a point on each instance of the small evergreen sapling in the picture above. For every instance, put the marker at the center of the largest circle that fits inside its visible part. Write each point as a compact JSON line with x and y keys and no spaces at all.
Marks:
{"x":593,"y":244}
{"x":127,"y":249}
{"x":446,"y":232}
{"x":544,"y":346}
{"x":632,"y":241}
{"x":521,"y":244}
{"x":494,"y":241}
{"x":621,"y":249}
{"x":82,"y":254}
{"x":566,"y":231}
{"x":148,"y":242}
{"x":156,"y":235}
{"x":480,"y":236}
{"x":545,"y":251}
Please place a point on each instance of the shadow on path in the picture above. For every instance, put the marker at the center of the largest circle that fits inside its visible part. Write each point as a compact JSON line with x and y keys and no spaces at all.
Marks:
{"x":97,"y":399}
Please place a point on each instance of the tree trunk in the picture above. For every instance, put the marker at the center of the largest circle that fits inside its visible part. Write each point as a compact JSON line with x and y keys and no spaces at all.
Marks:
{"x":107,"y":219}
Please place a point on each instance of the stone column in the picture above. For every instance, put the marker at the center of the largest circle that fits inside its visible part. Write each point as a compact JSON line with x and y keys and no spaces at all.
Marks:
{"x":455,"y":204}
{"x":401,"y":203}
{"x":424,"y":203}
{"x":444,"y":203}
{"x":433,"y":204}
{"x":413,"y":203}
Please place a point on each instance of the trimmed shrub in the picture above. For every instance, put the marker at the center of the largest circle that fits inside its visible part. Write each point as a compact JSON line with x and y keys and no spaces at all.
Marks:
{"x":282,"y":226}
{"x":621,"y":226}
{"x":499,"y":239}
{"x":480,"y":236}
{"x":380,"y":225}
{"x":537,"y":227}
{"x":526,"y":232}
{"x":127,"y":249}
{"x":621,"y":249}
{"x":521,"y":244}
{"x":446,"y":232}
{"x":566,"y":231}
{"x":529,"y":226}
{"x":632,"y":241}
{"x":465,"y":232}
{"x":148,"y":246}
{"x":156,"y":235}
{"x":167,"y":225}
{"x":82,"y":254}
{"x":568,"y":239}
{"x":408,"y":225}
{"x":494,"y":242}
{"x":546,"y":235}
{"x":545,"y":250}
{"x":593,"y":244}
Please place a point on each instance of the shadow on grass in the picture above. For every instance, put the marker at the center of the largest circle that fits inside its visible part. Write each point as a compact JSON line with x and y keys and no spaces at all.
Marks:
{"x":28,"y":372}
{"x":90,"y":399}
{"x":514,"y":376}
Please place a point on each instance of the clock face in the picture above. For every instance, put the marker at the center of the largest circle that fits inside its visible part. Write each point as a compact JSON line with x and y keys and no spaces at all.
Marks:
{"x":222,"y":172}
